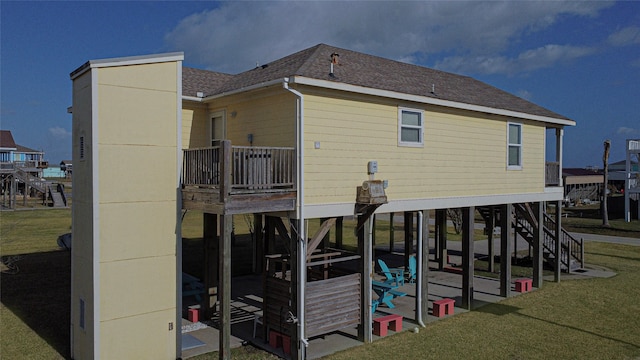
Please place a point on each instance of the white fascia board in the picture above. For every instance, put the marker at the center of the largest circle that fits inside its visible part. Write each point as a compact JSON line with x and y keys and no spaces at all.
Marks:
{"x":245,"y":89}
{"x":130,"y":60}
{"x":191,"y":98}
{"x":426,"y":100}
{"x":347,"y":209}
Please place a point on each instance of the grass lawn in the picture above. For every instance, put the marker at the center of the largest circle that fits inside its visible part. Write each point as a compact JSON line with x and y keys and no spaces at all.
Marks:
{"x":577,"y":319}
{"x":35,"y":285}
{"x":588,"y":219}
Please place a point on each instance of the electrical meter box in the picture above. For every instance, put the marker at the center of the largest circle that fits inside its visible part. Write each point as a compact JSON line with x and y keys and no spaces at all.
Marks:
{"x":372,"y":167}
{"x":371,"y":192}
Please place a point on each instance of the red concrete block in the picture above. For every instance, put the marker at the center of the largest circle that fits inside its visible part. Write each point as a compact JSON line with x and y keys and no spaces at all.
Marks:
{"x":524,"y":285}
{"x":443,"y":307}
{"x":277,"y":340}
{"x":194,"y":315}
{"x":382,"y":324}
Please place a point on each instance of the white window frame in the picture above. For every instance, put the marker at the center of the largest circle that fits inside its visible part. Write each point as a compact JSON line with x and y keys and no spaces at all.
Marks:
{"x":518,"y":145}
{"x":419,"y":143}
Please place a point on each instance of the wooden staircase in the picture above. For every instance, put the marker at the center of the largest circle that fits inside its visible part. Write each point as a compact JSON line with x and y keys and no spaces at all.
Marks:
{"x":48,"y":189}
{"x":525,"y":224}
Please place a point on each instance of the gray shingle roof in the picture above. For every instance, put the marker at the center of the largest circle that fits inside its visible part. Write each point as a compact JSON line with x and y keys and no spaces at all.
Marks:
{"x":369,"y":71}
{"x":207,"y":82}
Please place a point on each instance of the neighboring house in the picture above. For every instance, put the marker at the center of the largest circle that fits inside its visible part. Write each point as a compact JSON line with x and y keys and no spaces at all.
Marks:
{"x":67,"y":167}
{"x":7,"y":147}
{"x":581,"y":185}
{"x":321,"y":134}
{"x":14,"y":156}
{"x":53,"y":172}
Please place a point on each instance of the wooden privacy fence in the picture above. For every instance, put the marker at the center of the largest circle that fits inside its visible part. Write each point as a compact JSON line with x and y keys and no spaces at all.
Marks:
{"x":240,"y":169}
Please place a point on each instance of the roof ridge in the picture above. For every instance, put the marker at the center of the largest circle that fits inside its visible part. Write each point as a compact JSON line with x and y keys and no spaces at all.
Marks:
{"x":309,"y":60}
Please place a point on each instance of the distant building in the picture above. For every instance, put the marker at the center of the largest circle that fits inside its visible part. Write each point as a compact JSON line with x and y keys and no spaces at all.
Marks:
{"x":581,"y":185}
{"x":53,"y":172}
{"x":67,"y":167}
{"x":14,"y":156}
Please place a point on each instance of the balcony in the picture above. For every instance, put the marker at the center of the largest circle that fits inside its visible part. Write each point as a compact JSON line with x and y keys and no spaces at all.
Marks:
{"x":227,"y":179}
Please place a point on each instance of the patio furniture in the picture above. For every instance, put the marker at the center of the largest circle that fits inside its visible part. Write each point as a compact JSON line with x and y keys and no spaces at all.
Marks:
{"x":391,"y":275}
{"x":191,"y":285}
{"x":386,"y":293}
{"x":411,"y":273}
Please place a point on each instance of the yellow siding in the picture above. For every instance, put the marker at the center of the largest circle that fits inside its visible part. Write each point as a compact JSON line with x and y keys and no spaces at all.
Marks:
{"x":150,"y":165}
{"x":271,"y":119}
{"x":464,"y":152}
{"x":137,"y":168}
{"x":137,"y":286}
{"x":139,"y":119}
{"x":195,"y":126}
{"x":155,"y":341}
{"x":134,"y":211}
{"x":117,"y":243}
{"x":153,"y":77}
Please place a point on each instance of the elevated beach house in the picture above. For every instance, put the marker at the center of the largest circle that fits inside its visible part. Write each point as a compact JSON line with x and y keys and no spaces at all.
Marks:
{"x":322,"y":134}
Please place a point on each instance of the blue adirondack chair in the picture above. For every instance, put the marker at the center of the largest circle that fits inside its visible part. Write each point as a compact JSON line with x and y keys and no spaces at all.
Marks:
{"x":391,"y":275}
{"x":411,"y":273}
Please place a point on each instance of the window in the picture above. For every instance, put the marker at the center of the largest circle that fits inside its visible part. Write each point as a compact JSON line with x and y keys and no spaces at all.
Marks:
{"x":514,"y":146}
{"x":410,"y":127}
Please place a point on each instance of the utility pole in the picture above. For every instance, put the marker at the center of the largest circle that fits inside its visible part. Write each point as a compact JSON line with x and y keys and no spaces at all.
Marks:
{"x":604,"y":207}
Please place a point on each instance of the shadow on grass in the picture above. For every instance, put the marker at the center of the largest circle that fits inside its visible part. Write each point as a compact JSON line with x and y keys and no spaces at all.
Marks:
{"x":637,"y":346}
{"x":39,"y":294}
{"x":497,"y":309}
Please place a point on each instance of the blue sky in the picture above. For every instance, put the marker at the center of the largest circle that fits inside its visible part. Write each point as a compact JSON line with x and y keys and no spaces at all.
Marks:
{"x":579,"y":59}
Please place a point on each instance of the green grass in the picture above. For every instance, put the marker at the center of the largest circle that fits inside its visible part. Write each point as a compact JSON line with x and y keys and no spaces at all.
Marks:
{"x":31,"y":231}
{"x":35,"y":281}
{"x":588,"y":219}
{"x":578,"y":319}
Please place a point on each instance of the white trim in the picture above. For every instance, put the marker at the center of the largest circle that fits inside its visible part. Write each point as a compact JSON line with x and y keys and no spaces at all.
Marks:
{"x":130,"y":60}
{"x":95,"y":191}
{"x":520,"y":145}
{"x":178,"y":319}
{"x":191,"y":98}
{"x":301,"y":215}
{"x":419,"y":143}
{"x":427,"y":100}
{"x":347,"y":209}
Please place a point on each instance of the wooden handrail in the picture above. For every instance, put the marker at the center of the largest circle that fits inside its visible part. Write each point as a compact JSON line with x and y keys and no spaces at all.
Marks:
{"x":240,"y":169}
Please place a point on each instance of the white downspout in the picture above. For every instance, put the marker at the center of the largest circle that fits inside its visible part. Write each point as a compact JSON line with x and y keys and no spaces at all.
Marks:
{"x":302,"y":245}
{"x":419,"y":271}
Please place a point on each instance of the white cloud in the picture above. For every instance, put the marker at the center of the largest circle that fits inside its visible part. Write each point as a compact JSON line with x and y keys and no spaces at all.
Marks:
{"x":59,"y":133}
{"x":623,"y":130}
{"x":236,"y":35}
{"x":627,"y":36}
{"x":527,"y":95}
{"x":527,"y":61}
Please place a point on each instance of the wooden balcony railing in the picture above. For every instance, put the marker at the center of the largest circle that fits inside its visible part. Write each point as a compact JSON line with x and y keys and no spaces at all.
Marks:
{"x":240,"y":169}
{"x":552,"y":174}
